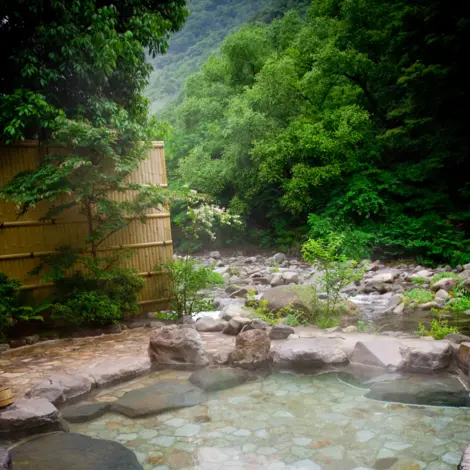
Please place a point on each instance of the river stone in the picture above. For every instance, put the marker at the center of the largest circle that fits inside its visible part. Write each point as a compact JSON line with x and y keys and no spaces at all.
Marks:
{"x":231,"y":311}
{"x":109,"y":372}
{"x":463,"y":356}
{"x":61,"y":388}
{"x":282,"y":296}
{"x":457,"y":338}
{"x":446,"y":284}
{"x":308,"y":355}
{"x":290,"y":277}
{"x":380,"y":353}
{"x":219,"y":379}
{"x":281,"y":331}
{"x":464,"y":461}
{"x":387,"y":277}
{"x":210,"y":324}
{"x":5,"y":459}
{"x":235,"y":325}
{"x":84,"y":413}
{"x":172,"y":346}
{"x":215,"y":254}
{"x":158,"y":398}
{"x":422,"y":390}
{"x":276,"y":280}
{"x":72,"y":451}
{"x":426,"y":356}
{"x":251,"y":350}
{"x":29,"y":416}
{"x":278,"y":258}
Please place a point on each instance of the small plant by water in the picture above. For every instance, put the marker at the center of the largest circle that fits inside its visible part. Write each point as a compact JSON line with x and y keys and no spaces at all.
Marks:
{"x":439,"y":328}
{"x":418,"y":296}
{"x":187,"y":278}
{"x":419,"y":280}
{"x":440,"y":276}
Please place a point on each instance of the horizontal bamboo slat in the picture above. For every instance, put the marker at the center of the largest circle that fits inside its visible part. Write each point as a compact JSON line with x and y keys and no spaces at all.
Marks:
{"x":25,"y":238}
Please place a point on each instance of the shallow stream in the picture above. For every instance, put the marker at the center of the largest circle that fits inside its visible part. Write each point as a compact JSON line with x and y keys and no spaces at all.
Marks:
{"x":287,"y":422}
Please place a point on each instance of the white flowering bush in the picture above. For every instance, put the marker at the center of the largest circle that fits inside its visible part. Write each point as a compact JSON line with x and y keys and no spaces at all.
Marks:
{"x":206,"y":217}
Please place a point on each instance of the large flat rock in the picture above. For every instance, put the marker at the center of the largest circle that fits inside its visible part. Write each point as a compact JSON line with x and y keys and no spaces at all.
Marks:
{"x":308,"y":355}
{"x":5,"y":459}
{"x":61,"y":388}
{"x":158,"y":398}
{"x":84,"y":413}
{"x":379,"y":352}
{"x":219,"y":379}
{"x":71,"y":451}
{"x":108,"y":372}
{"x":29,"y":416}
{"x":394,"y":354}
{"x":422,"y":390}
{"x":426,"y":356}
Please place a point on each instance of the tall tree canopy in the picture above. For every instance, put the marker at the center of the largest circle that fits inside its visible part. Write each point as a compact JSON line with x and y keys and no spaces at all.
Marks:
{"x":69,"y":57}
{"x":352,"y":116}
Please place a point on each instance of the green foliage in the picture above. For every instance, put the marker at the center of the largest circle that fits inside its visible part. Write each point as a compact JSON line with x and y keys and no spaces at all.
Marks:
{"x":418,"y":296}
{"x":120,"y":285}
{"x":440,"y":276}
{"x":419,"y":280}
{"x":337,"y":271}
{"x":327,"y":116}
{"x":439,"y":329}
{"x":171,"y":316}
{"x":460,"y":304}
{"x":87,"y":308}
{"x":11,"y":309}
{"x":187,"y":278}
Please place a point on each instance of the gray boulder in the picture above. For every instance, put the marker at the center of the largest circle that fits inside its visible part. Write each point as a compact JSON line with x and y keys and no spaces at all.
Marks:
{"x":282,"y":296}
{"x":278,"y":258}
{"x":379,"y":353}
{"x":426,"y":356}
{"x":209,"y":324}
{"x":29,"y":416}
{"x":422,"y":390}
{"x":276,"y":280}
{"x":158,"y":398}
{"x":61,"y":388}
{"x":235,"y":325}
{"x":465,"y":460}
{"x":308,"y":355}
{"x":219,"y":379}
{"x":457,"y":338}
{"x":290,"y":277}
{"x":251,"y":350}
{"x":84,"y":413}
{"x":5,"y":459}
{"x":215,"y":255}
{"x":446,"y":284}
{"x":231,"y":311}
{"x":463,"y":356}
{"x":71,"y":451}
{"x":172,"y":346}
{"x":281,"y":331}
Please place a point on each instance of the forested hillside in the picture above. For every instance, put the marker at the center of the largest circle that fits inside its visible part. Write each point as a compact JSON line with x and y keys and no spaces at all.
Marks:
{"x":349,"y":118}
{"x":210,"y":21}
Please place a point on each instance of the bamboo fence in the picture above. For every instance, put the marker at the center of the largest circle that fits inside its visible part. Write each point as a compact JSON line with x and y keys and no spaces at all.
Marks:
{"x":24,"y":238}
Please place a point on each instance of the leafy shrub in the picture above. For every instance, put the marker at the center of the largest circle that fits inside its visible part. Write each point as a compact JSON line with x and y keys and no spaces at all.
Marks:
{"x":326,"y":254}
{"x":419,"y":280}
{"x":418,"y":296}
{"x":10,"y":309}
{"x":187,"y":278}
{"x":439,"y":329}
{"x":460,"y":304}
{"x":120,"y":285}
{"x":172,"y":316}
{"x":8,"y":303}
{"x":89,"y":308}
{"x":440,"y":276}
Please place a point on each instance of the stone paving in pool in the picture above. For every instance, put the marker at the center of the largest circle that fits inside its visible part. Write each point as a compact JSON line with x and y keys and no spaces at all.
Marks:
{"x":287,"y":422}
